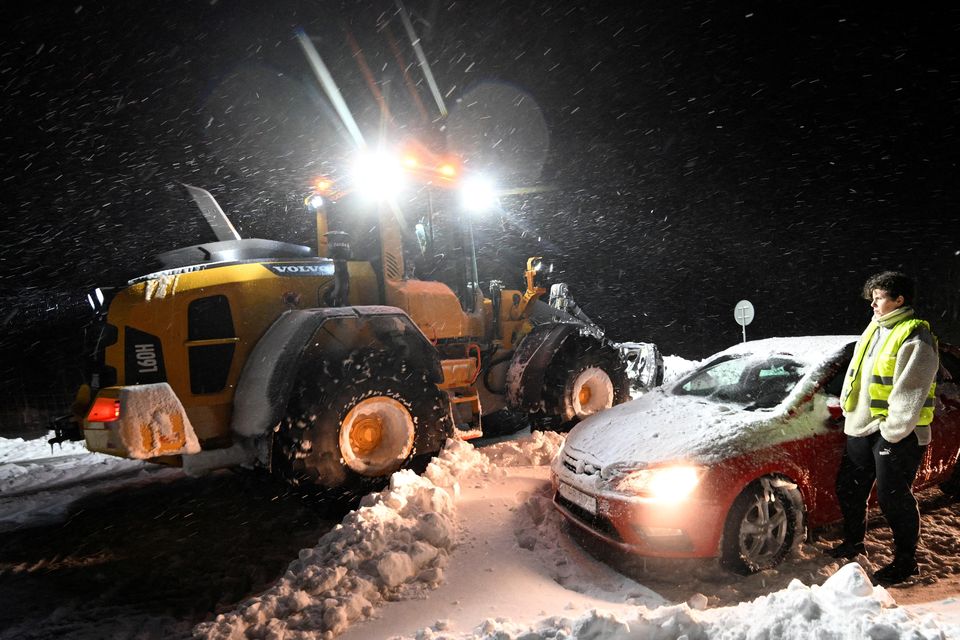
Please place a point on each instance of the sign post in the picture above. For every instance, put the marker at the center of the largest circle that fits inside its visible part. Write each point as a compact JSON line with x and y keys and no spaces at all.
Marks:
{"x":743,"y":314}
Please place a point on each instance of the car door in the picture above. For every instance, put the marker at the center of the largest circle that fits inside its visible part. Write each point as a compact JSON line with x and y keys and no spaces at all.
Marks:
{"x":941,"y":454}
{"x":828,"y":442}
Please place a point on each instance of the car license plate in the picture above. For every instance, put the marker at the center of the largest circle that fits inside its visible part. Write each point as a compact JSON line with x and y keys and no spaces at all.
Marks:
{"x":579,"y":498}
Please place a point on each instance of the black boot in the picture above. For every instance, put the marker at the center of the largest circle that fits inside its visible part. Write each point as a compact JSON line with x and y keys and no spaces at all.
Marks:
{"x":847,"y":550}
{"x":901,"y":569}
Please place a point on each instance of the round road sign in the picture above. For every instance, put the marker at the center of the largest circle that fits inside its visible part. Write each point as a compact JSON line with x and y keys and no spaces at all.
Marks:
{"x":743,"y":312}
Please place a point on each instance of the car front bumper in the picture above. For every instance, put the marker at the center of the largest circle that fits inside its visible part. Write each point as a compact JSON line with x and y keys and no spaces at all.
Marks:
{"x":687,"y":529}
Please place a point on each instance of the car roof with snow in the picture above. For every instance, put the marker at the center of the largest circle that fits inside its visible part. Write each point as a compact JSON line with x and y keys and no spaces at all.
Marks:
{"x":807,"y":350}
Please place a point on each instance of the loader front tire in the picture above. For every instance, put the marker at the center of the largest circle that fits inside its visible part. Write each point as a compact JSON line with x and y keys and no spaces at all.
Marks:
{"x":582,"y":379}
{"x":350,"y":426}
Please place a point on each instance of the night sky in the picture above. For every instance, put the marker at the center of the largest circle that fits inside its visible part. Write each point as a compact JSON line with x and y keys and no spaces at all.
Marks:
{"x":685,"y":155}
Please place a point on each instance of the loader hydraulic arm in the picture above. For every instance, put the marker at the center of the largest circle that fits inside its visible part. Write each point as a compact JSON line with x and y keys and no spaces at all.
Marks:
{"x":533,"y":290}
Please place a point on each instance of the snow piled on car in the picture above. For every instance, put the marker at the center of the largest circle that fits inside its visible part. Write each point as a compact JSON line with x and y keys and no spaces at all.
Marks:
{"x":675,"y":367}
{"x":662,"y":427}
{"x":809,"y":350}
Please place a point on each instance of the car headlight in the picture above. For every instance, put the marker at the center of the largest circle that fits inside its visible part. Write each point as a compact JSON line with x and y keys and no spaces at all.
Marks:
{"x":663,"y":484}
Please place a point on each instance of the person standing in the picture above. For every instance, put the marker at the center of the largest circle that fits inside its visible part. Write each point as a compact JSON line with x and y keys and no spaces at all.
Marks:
{"x":888,"y":403}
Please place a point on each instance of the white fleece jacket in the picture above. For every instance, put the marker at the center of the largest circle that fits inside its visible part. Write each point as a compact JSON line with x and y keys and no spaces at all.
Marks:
{"x":916,"y":369}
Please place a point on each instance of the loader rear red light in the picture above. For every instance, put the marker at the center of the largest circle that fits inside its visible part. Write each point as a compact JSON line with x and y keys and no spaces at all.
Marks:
{"x":104,"y":410}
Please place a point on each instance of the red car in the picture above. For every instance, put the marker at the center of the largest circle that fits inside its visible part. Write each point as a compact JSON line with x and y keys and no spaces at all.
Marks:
{"x":737,"y":459}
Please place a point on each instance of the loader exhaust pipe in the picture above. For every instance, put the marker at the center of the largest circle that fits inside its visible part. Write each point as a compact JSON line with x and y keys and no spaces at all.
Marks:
{"x":338,"y":248}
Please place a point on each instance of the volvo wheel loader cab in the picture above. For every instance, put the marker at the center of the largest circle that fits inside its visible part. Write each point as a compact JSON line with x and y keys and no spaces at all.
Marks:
{"x":332,"y":368}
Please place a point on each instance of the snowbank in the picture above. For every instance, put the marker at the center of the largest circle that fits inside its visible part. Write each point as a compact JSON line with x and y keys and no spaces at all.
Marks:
{"x":38,"y":483}
{"x":397,"y":545}
{"x":394,"y":546}
{"x":17,"y":449}
{"x":845,"y":606}
{"x":406,"y":549}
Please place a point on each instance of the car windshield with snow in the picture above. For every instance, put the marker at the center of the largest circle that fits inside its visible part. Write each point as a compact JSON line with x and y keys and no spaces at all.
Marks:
{"x":749,"y":381}
{"x":735,"y":460}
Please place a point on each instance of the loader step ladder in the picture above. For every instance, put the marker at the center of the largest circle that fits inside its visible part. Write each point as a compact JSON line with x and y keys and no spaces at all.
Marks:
{"x":459,"y":375}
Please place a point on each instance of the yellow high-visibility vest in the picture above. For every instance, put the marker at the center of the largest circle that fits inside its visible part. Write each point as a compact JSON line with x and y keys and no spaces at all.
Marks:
{"x":881,"y":378}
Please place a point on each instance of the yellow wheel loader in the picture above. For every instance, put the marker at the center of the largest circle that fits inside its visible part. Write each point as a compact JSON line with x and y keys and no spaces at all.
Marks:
{"x":333,"y":369}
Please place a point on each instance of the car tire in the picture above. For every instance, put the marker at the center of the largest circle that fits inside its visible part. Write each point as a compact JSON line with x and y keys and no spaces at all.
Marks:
{"x":582,"y":379}
{"x":349,"y":426}
{"x":764,"y":525}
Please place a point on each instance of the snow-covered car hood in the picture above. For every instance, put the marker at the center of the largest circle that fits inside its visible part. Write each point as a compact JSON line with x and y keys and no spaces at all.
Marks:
{"x":659,"y":427}
{"x":663,"y":427}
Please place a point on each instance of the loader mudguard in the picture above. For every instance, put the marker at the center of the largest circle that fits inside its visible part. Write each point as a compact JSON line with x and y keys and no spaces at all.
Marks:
{"x":530,"y":361}
{"x":331,"y":334}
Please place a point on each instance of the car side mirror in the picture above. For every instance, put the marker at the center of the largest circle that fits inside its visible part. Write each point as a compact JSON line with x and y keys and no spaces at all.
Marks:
{"x":836,"y":411}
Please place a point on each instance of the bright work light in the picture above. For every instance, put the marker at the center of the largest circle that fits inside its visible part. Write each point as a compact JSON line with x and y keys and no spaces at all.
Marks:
{"x":378,"y":176}
{"x":478,"y":194}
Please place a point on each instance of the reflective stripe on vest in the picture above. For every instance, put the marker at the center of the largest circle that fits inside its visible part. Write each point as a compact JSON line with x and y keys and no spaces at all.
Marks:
{"x":881,"y":380}
{"x":851,"y":382}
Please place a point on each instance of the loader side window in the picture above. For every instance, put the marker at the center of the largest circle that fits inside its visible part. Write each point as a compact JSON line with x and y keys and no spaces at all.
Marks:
{"x":209,"y":318}
{"x":444,"y":254}
{"x":209,"y":367}
{"x":211,"y":341}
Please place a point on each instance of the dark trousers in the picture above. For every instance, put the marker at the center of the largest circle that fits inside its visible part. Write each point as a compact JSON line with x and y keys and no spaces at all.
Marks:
{"x":893,"y":466}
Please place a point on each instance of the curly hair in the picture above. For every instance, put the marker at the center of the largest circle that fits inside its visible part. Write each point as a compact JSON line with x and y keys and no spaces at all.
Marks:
{"x":895,"y":283}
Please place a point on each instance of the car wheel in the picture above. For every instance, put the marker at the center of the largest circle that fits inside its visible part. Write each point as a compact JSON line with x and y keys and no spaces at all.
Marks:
{"x":346,"y":431}
{"x":763,"y":527}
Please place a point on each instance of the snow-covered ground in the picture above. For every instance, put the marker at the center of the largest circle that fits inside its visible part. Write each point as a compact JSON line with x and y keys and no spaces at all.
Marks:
{"x":38,"y":483}
{"x":474,"y":549}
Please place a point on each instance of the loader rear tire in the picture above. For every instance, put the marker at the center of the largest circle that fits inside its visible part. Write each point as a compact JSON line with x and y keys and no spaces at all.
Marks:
{"x":582,"y":379}
{"x":349,"y":426}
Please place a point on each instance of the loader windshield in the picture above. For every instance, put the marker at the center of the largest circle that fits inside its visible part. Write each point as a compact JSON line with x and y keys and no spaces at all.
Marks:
{"x":444,"y":249}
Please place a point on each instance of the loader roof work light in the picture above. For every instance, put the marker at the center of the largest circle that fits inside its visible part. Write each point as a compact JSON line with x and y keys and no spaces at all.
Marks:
{"x":422,"y":166}
{"x":378,"y":176}
{"x":323,"y":186}
{"x":477,"y":194}
{"x":447,"y":170}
